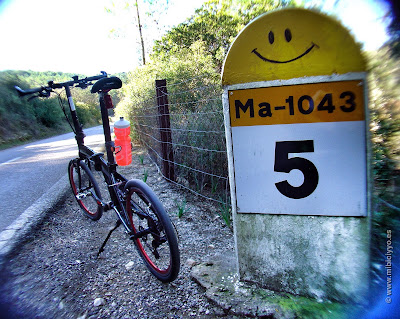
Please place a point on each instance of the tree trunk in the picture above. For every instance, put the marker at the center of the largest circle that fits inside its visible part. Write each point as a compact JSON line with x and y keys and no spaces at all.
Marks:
{"x":141,"y":35}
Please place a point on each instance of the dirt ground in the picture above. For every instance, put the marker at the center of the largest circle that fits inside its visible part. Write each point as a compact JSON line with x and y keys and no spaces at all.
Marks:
{"x":55,"y":273}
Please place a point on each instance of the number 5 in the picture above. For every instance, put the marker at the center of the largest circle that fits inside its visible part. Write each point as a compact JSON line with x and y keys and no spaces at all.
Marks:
{"x":285,"y":164}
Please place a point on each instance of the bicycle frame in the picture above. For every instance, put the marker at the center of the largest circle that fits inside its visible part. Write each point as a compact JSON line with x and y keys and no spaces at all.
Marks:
{"x":113,"y":179}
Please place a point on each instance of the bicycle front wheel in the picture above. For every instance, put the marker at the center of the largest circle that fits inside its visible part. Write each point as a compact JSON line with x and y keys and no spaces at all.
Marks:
{"x":152,"y":231}
{"x":85,"y":189}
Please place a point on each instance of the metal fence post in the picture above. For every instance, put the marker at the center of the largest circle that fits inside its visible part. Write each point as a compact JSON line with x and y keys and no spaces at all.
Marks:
{"x":165,"y":130}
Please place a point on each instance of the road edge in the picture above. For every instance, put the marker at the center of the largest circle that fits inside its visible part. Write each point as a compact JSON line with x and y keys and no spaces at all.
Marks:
{"x":15,"y":233}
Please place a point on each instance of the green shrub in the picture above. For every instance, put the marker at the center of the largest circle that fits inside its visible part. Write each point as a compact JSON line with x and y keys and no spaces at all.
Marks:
{"x":47,"y":112}
{"x":88,"y":114}
{"x":21,"y":119}
{"x":196,"y":116}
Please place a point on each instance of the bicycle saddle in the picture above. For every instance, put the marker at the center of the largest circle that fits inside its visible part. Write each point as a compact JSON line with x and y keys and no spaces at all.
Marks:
{"x":106,"y":84}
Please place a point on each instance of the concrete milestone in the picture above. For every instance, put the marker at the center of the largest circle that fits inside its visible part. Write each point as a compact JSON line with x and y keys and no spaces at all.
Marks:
{"x":295,"y":106}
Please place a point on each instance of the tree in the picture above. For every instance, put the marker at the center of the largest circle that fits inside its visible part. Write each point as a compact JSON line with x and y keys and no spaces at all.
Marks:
{"x":131,"y":13}
{"x":216,"y":24}
{"x":250,"y":9}
{"x":385,"y":112}
{"x":394,"y":27}
{"x":140,"y":33}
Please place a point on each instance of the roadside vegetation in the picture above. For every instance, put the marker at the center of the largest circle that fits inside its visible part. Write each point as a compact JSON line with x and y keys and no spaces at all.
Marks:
{"x":23,"y":120}
{"x":192,"y":54}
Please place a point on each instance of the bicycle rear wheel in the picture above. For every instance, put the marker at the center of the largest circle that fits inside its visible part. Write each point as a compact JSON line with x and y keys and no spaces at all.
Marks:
{"x":85,"y":189}
{"x":153,"y":233}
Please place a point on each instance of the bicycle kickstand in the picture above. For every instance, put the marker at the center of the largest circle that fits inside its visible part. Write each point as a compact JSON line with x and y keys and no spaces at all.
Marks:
{"x":117,"y":224}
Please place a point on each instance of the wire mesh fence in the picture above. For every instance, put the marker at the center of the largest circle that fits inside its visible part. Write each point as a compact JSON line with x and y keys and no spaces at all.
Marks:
{"x":182,"y":126}
{"x":193,"y":152}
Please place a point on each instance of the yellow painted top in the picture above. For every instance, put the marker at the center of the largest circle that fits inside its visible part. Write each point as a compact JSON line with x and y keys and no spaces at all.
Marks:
{"x":291,"y":43}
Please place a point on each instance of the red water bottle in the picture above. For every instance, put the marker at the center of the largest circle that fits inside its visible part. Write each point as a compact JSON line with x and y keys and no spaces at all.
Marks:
{"x":123,"y":150}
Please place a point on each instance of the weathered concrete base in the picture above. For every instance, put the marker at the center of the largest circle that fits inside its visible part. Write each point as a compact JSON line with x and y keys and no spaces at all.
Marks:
{"x":223,"y":287}
{"x":221,"y":281}
{"x":322,"y":257}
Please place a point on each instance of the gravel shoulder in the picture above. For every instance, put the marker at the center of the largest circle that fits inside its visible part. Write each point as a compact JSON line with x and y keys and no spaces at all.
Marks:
{"x":55,"y":272}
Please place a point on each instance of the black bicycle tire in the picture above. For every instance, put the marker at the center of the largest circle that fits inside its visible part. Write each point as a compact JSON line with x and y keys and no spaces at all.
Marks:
{"x":172,"y":272}
{"x":99,"y":212}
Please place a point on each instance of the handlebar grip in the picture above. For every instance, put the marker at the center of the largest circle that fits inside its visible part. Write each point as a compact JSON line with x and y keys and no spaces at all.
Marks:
{"x":22,"y":92}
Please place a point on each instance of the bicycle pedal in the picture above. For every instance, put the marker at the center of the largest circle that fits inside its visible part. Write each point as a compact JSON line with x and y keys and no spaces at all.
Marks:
{"x":80,"y":196}
{"x":107,"y":206}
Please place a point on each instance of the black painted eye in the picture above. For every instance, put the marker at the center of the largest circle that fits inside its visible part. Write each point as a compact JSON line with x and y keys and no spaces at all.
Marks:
{"x":288,"y":35}
{"x":271,"y":37}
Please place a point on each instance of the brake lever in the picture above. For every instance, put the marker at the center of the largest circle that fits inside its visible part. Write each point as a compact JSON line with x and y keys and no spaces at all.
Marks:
{"x":44,"y":93}
{"x":40,"y":94}
{"x":82,"y":85}
{"x":33,"y":97}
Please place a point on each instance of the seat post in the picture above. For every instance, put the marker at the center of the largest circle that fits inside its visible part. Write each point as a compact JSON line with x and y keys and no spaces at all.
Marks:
{"x":107,"y":131}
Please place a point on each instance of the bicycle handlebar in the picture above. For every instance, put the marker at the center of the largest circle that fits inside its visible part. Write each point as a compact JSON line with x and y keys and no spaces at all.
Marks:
{"x":22,"y":92}
{"x":44,"y":91}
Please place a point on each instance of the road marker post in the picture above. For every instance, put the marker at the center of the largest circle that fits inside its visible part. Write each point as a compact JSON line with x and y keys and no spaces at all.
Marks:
{"x":296,"y":120}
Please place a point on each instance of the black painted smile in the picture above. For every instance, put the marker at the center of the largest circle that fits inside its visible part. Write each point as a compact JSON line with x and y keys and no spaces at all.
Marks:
{"x":275,"y":61}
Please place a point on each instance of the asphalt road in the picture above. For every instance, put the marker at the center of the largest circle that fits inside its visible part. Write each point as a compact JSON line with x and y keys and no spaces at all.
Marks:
{"x":28,"y":171}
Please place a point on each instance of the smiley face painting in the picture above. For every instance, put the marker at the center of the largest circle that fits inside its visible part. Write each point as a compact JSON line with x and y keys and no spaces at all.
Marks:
{"x":291,"y":43}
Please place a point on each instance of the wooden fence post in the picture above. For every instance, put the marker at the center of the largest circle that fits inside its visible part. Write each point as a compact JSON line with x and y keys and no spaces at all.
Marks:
{"x":165,"y":130}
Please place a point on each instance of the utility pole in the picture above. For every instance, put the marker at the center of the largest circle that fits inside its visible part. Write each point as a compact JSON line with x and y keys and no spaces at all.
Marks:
{"x":140,"y":33}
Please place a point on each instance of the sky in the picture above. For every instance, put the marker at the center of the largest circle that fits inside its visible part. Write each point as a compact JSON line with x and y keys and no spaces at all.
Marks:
{"x":75,"y":35}
{"x":364,"y":18}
